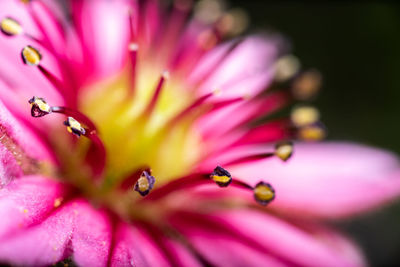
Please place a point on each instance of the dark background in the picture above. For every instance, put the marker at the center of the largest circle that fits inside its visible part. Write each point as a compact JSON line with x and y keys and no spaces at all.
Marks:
{"x":356,"y":46}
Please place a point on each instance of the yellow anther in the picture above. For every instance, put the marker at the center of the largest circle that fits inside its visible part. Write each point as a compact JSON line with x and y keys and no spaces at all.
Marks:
{"x":57,"y":202}
{"x":286,"y":67}
{"x":31,"y":56}
{"x":264,"y":193}
{"x":73,"y":126}
{"x":39,"y":107}
{"x":307,"y":85}
{"x":233,"y":22}
{"x":165,"y":74}
{"x":303,"y":116}
{"x":284,"y":150}
{"x":221,"y":176}
{"x":217,"y":91}
{"x":133,"y":47}
{"x":145,"y":183}
{"x":10,"y":27}
{"x":311,"y":133}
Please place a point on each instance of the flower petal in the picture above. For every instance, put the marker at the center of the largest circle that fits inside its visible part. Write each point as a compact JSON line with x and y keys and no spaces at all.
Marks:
{"x":103,"y":29}
{"x":133,"y":245}
{"x":9,"y":168}
{"x":327,"y":179}
{"x":251,"y":238}
{"x":92,"y":235}
{"x":127,"y":250}
{"x":75,"y":229}
{"x":246,"y":70}
{"x":134,"y":248}
{"x":41,"y":244}
{"x":21,"y":141}
{"x":27,"y":201}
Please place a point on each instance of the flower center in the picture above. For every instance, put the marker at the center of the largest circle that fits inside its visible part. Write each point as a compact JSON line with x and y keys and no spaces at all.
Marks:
{"x":136,"y":129}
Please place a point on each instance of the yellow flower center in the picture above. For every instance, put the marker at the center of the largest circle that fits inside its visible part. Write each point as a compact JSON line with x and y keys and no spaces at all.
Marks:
{"x":134,"y":139}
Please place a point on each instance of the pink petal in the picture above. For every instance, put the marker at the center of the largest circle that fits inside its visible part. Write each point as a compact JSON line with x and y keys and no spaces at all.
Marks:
{"x":42,"y":244}
{"x":182,"y":254}
{"x":326,"y":179}
{"x":128,"y":249}
{"x":27,"y":201}
{"x":150,"y":249}
{"x":25,"y":80}
{"x":9,"y":168}
{"x":247,"y":70}
{"x":222,"y":251}
{"x":91,"y":238}
{"x":251,"y":238}
{"x":210,"y":124}
{"x":104,"y":30}
{"x":134,"y":247}
{"x":20,"y":141}
{"x":73,"y":229}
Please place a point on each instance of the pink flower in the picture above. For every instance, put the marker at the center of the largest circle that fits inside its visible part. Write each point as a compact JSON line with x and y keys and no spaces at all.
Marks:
{"x":137,"y":181}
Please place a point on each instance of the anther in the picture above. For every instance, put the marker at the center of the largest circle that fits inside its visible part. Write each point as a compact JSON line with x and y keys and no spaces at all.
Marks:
{"x":264,"y":193}
{"x":73,"y":126}
{"x":133,"y":47}
{"x":305,"y":115}
{"x":306,"y":85}
{"x":133,"y":51}
{"x":284,"y":150}
{"x":31,"y":56}
{"x":313,"y":132}
{"x":286,"y":67}
{"x":10,"y":26}
{"x":39,"y":107}
{"x":145,"y":183}
{"x":221,"y":176}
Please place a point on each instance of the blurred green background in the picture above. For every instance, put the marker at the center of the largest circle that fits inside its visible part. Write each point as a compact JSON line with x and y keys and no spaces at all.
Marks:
{"x":356,"y":46}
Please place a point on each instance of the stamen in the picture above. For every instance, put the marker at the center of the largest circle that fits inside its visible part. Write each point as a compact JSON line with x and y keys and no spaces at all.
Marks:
{"x":198,"y":102}
{"x":157,"y":92}
{"x":250,"y":158}
{"x":39,"y":106}
{"x":144,"y":184}
{"x":284,"y":150}
{"x":51,"y":78}
{"x":129,"y":181}
{"x":303,"y":116}
{"x":227,"y":102}
{"x":133,"y":49}
{"x":31,"y":56}
{"x":73,"y":126}
{"x":307,"y":85}
{"x":313,"y":132}
{"x":96,"y":155}
{"x":286,"y":67}
{"x":233,"y":22}
{"x":221,"y":176}
{"x":264,"y":193}
{"x":76,"y":114}
{"x":10,"y":27}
